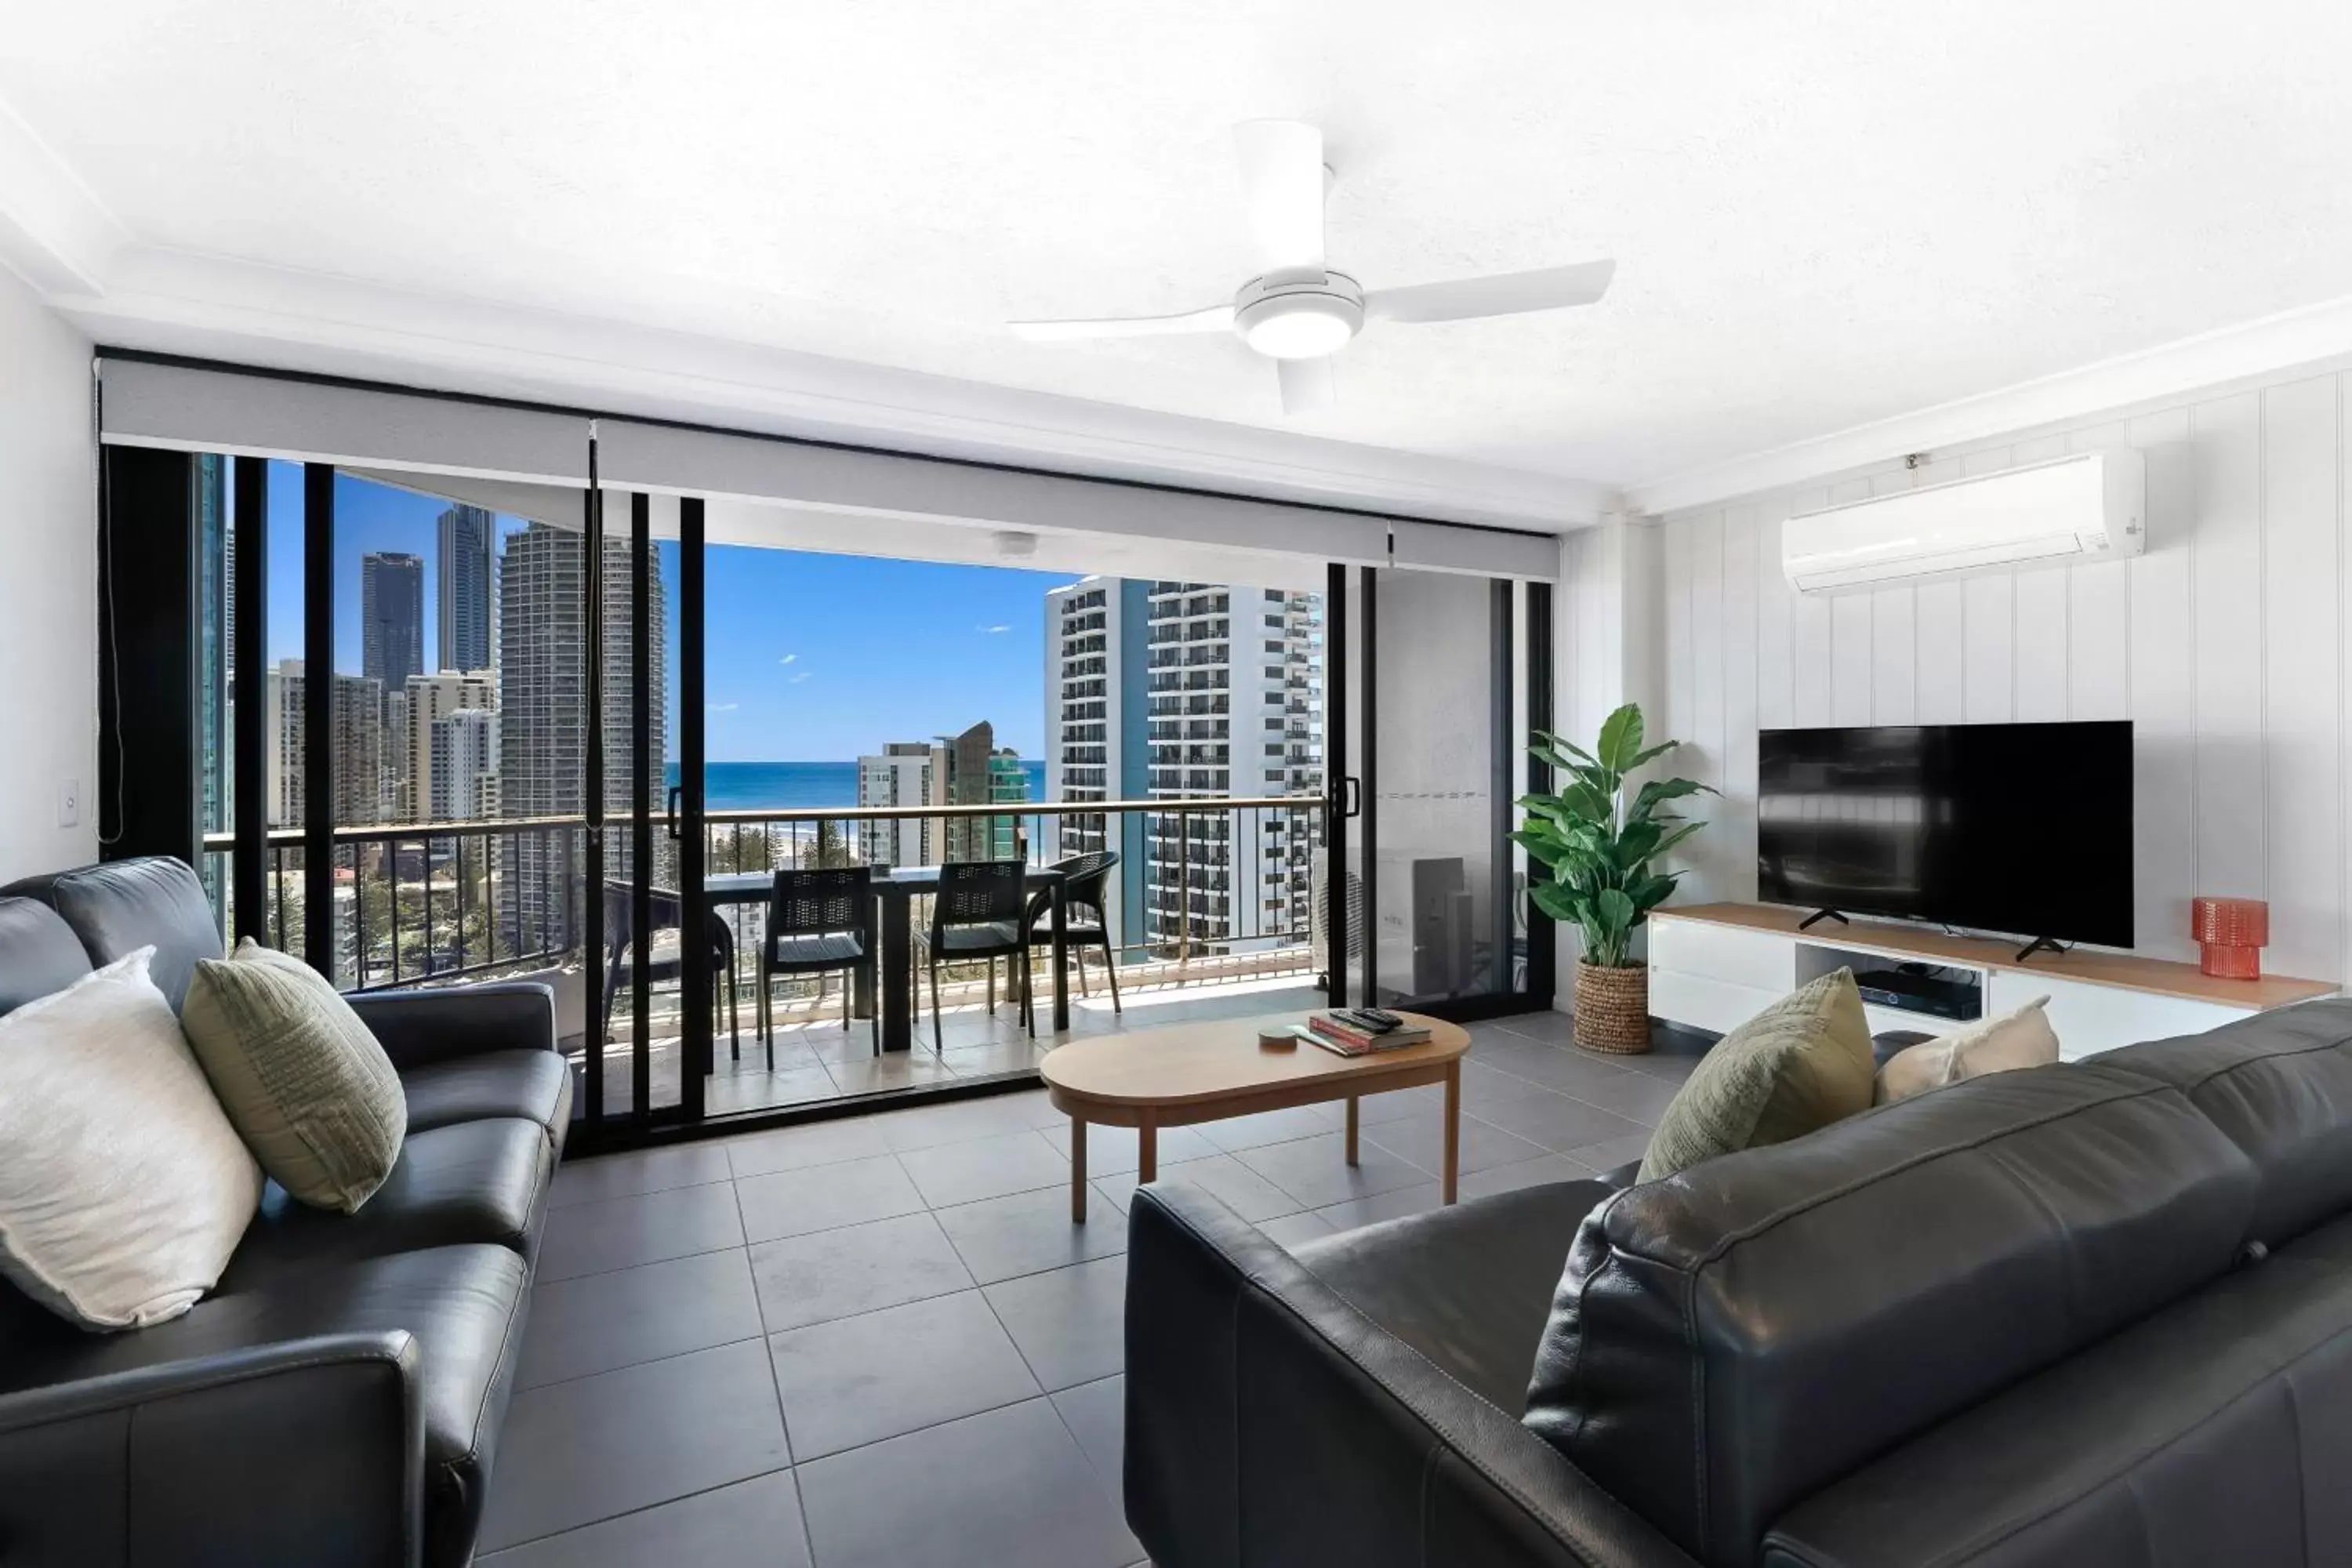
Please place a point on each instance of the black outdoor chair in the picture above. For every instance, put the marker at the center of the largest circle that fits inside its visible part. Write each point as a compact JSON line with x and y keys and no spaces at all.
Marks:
{"x":1085,"y":915}
{"x":818,"y":922}
{"x":665,"y":959}
{"x":978,"y":914}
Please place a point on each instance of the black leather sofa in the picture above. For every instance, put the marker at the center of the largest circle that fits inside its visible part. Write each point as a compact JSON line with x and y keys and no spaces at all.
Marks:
{"x":338,"y":1398}
{"x":2097,"y":1315}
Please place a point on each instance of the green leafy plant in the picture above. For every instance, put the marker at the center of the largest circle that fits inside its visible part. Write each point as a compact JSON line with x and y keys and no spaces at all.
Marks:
{"x":1596,"y":844}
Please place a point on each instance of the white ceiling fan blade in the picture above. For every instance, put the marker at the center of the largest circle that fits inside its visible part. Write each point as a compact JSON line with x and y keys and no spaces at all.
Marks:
{"x":1503,"y":294}
{"x":1282,"y":196}
{"x":1307,"y":385}
{"x":1214,"y":319}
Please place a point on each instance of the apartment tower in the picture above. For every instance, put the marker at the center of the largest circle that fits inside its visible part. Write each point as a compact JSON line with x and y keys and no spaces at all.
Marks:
{"x":1173,"y":691}
{"x":543,"y":718}
{"x":462,"y":628}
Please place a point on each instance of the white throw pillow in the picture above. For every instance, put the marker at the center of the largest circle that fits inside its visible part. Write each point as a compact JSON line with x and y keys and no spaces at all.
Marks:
{"x":123,"y":1189}
{"x":2020,"y":1039}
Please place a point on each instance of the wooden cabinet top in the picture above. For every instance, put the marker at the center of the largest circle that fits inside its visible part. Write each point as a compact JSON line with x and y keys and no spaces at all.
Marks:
{"x":2157,"y":975}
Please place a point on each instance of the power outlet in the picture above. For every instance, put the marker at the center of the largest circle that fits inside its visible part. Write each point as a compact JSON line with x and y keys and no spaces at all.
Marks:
{"x":69,"y":803}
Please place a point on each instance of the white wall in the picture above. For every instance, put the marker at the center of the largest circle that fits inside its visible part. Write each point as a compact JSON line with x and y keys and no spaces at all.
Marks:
{"x":48,"y":587}
{"x":2225,"y":644}
{"x":1606,"y":652}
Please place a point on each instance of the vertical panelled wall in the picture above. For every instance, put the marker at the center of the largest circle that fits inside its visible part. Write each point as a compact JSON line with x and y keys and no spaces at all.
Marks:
{"x":2226,"y":644}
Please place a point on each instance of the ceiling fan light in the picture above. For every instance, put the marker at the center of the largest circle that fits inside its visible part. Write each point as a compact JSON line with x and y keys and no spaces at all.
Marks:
{"x":1300,"y":328}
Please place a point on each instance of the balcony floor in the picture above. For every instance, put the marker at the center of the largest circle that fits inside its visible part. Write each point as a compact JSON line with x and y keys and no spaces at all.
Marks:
{"x":817,"y":1060}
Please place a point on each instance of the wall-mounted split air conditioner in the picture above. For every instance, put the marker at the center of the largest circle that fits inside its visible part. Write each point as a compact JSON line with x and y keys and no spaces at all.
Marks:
{"x":2087,"y":507}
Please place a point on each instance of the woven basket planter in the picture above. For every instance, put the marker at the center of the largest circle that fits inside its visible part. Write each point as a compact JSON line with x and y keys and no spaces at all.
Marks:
{"x":1613,"y":1009}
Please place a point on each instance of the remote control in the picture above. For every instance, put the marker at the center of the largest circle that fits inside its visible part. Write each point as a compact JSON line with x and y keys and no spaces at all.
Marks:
{"x":1381,"y":1016}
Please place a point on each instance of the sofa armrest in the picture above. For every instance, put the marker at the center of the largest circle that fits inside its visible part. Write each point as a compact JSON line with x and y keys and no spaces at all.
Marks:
{"x":299,"y":1453}
{"x":420,"y":1027}
{"x":1269,"y":1421}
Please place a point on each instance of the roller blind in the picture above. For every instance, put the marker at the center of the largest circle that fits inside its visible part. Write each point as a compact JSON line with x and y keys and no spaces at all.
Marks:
{"x":205,"y":410}
{"x":212,"y":409}
{"x":633,"y":456}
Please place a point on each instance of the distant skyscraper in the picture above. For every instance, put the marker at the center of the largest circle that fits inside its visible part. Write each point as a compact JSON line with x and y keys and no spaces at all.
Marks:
{"x":465,"y":756}
{"x":1176,"y":692}
{"x":464,"y":565}
{"x":1008,"y":784}
{"x":907,"y":773}
{"x":429,"y":700}
{"x":970,"y":783}
{"x":543,"y":714}
{"x":392,"y":617}
{"x":355,"y":714}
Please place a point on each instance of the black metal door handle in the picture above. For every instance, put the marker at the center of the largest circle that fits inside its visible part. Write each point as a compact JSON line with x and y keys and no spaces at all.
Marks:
{"x":674,"y":791}
{"x":1351,"y":795}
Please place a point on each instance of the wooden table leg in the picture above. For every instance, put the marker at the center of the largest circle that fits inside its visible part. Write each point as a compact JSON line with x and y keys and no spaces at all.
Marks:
{"x":1147,"y":1168}
{"x":1354,"y":1107}
{"x":1452,"y":1127}
{"x":1077,"y":1171}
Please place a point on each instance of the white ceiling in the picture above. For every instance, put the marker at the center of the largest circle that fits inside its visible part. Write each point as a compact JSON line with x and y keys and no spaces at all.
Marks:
{"x":1826,"y":215}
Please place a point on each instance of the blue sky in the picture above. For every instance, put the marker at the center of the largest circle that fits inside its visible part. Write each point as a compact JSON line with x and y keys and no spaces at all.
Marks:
{"x":809,"y":659}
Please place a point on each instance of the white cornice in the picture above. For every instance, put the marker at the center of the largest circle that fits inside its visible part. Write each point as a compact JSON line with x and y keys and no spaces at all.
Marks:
{"x":2306,"y":336}
{"x":54,"y":231}
{"x":176,"y":302}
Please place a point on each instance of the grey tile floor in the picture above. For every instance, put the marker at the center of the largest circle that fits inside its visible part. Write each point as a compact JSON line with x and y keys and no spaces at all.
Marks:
{"x":882,"y":1342}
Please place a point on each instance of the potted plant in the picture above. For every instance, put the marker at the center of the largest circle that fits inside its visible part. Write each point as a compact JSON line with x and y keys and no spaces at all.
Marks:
{"x":1597,"y":847}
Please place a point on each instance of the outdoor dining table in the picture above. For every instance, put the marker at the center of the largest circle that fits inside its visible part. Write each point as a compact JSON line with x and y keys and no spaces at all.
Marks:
{"x":895,"y":891}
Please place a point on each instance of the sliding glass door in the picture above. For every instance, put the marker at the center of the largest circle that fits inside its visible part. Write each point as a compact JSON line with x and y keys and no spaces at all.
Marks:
{"x":1442,"y":676}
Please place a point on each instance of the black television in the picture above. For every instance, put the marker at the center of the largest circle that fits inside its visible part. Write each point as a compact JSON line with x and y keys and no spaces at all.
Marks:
{"x":2023,"y":829}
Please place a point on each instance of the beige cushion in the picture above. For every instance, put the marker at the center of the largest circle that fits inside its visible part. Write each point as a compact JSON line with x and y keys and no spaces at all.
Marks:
{"x":2020,"y":1039}
{"x":123,"y":1189}
{"x":1798,"y":1065}
{"x":305,"y":1082}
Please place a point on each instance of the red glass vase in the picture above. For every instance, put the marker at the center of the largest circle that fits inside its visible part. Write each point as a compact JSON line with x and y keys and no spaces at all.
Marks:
{"x":2231,"y":933}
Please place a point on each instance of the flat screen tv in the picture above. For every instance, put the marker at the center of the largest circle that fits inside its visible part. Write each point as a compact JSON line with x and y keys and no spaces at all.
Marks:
{"x":2024,"y":829}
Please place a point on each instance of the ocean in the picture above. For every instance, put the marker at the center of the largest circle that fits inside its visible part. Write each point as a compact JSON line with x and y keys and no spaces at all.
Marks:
{"x":778,"y":786}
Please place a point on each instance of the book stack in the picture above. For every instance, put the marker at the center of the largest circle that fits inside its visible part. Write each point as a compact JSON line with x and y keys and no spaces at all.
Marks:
{"x":1351,"y":1033}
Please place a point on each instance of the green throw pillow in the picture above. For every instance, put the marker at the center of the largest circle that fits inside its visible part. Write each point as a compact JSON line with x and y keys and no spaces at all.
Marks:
{"x":304,"y":1082}
{"x":1801,"y":1064}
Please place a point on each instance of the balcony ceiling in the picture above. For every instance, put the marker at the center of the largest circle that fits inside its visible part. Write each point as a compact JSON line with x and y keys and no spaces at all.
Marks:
{"x":816,"y":216}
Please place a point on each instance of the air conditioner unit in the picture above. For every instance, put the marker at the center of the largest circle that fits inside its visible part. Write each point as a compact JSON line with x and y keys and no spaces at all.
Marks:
{"x":2087,"y":507}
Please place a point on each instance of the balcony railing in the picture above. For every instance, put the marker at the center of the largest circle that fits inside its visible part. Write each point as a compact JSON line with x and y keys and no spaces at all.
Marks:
{"x":420,"y":903}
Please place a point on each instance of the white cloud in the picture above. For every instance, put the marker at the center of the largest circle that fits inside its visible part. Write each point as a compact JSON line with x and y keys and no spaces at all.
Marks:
{"x":804,"y":675}
{"x":788,"y":658}
{"x":723,"y":707}
{"x":992,"y":631}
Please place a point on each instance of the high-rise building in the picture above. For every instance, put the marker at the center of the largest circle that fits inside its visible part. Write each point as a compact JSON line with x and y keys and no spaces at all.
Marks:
{"x":1173,"y":691}
{"x":392,"y":617}
{"x":907,"y":773}
{"x":355,"y":746}
{"x":430,"y":699}
{"x":463,"y":766}
{"x":969,"y":782}
{"x":1008,"y":784}
{"x":463,"y":624}
{"x":544,"y":714}
{"x":393,"y":792}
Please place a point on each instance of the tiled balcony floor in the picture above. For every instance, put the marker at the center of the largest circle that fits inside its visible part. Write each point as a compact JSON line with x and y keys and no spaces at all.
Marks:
{"x":881,"y":1340}
{"x":816,"y":1059}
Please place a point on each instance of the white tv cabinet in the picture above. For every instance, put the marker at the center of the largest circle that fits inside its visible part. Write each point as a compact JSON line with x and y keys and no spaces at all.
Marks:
{"x":1714,"y":966}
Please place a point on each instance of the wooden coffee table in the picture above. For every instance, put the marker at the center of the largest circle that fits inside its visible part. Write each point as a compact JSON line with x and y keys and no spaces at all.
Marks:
{"x":1188,"y":1073}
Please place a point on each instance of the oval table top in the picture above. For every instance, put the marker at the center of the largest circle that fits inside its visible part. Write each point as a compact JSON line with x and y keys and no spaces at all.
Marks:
{"x":1218,"y":1058}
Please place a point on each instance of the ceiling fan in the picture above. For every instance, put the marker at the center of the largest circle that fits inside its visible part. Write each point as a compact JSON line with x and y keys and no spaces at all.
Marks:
{"x":1298,"y":312}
